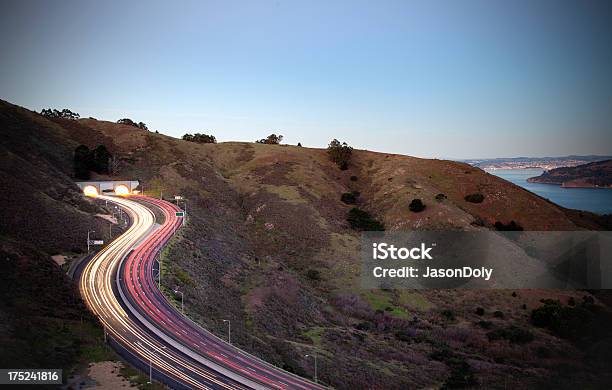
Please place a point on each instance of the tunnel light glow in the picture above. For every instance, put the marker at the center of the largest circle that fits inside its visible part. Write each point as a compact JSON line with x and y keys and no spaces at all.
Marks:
{"x":122,"y":190}
{"x":90,"y":191}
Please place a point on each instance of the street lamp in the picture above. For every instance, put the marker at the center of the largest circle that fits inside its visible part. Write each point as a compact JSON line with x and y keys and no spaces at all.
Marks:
{"x":229,"y":331}
{"x":89,"y":231}
{"x":151,"y":365}
{"x":315,"y":367}
{"x":176,"y":291}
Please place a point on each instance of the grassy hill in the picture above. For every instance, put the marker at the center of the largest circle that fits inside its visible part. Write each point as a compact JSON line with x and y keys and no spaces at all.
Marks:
{"x":592,"y":175}
{"x":268,"y":246}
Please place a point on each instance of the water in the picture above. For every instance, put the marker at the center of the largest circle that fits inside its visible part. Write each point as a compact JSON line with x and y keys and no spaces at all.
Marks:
{"x":597,"y":200}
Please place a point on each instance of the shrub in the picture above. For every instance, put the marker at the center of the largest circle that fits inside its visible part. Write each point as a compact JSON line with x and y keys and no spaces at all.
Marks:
{"x":512,"y":226}
{"x":313,"y":274}
{"x":272,"y":139}
{"x":354,"y":178}
{"x":362,"y":220}
{"x":461,"y":375}
{"x":200,"y":138}
{"x":584,"y":322}
{"x":448,"y":314}
{"x":440,"y":197}
{"x":339,"y":153}
{"x":498,"y":314}
{"x":474,"y":198}
{"x":511,"y":333}
{"x":416,"y":206}
{"x":480,"y":311}
{"x":350,"y":197}
{"x":485,"y":324}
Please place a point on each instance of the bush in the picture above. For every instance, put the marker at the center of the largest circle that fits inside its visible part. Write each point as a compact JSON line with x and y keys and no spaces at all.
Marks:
{"x":461,"y":375}
{"x":512,"y":226}
{"x":339,"y":153}
{"x":474,"y":198}
{"x":440,"y":197}
{"x":416,"y":206}
{"x":272,"y":139}
{"x":448,"y":314}
{"x":313,"y":274}
{"x":498,"y":314}
{"x":362,"y":220}
{"x":350,"y":197}
{"x":485,"y":324}
{"x":511,"y":333}
{"x":200,"y":138}
{"x":586,"y":322}
{"x":480,"y":311}
{"x":354,"y":178}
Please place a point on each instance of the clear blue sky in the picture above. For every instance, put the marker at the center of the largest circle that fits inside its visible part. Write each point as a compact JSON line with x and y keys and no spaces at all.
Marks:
{"x":454,"y":79}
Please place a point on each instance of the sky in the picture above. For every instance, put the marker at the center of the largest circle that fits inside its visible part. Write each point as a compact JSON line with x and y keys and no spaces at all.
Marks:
{"x":444,"y":79}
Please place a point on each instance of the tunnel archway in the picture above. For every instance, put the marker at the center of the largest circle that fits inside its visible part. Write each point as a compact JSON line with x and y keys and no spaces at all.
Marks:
{"x":90,"y":191}
{"x":122,"y":190}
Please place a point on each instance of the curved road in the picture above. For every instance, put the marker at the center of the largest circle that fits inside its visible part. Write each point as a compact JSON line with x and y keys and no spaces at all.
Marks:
{"x":119,"y":286}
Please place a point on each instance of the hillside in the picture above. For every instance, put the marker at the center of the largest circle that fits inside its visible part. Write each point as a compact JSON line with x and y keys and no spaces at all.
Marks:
{"x":593,"y":175}
{"x":43,"y":320}
{"x":267,"y":245}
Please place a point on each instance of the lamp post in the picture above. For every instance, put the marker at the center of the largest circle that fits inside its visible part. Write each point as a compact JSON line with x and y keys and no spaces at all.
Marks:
{"x":229,"y":331}
{"x":151,"y":365}
{"x":89,"y":231}
{"x":315,"y":366}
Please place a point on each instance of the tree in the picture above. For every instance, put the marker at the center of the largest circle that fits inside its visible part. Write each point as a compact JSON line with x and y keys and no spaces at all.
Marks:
{"x":127,"y":121}
{"x":200,"y":138}
{"x":82,"y":162}
{"x":272,"y":139}
{"x":98,"y":160}
{"x":339,"y":153}
{"x":56,"y":114}
{"x":101,"y":159}
{"x":142,"y":126}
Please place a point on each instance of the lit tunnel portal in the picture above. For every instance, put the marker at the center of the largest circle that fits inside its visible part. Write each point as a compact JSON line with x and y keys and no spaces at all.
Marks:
{"x":90,"y":191}
{"x":122,"y":190}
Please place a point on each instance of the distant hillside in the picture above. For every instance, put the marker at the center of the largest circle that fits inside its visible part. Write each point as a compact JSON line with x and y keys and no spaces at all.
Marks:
{"x":534,"y":162}
{"x":268,"y":245}
{"x":592,"y":175}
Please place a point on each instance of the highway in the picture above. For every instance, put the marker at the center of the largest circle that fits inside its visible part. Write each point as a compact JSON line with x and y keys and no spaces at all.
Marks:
{"x":119,"y":286}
